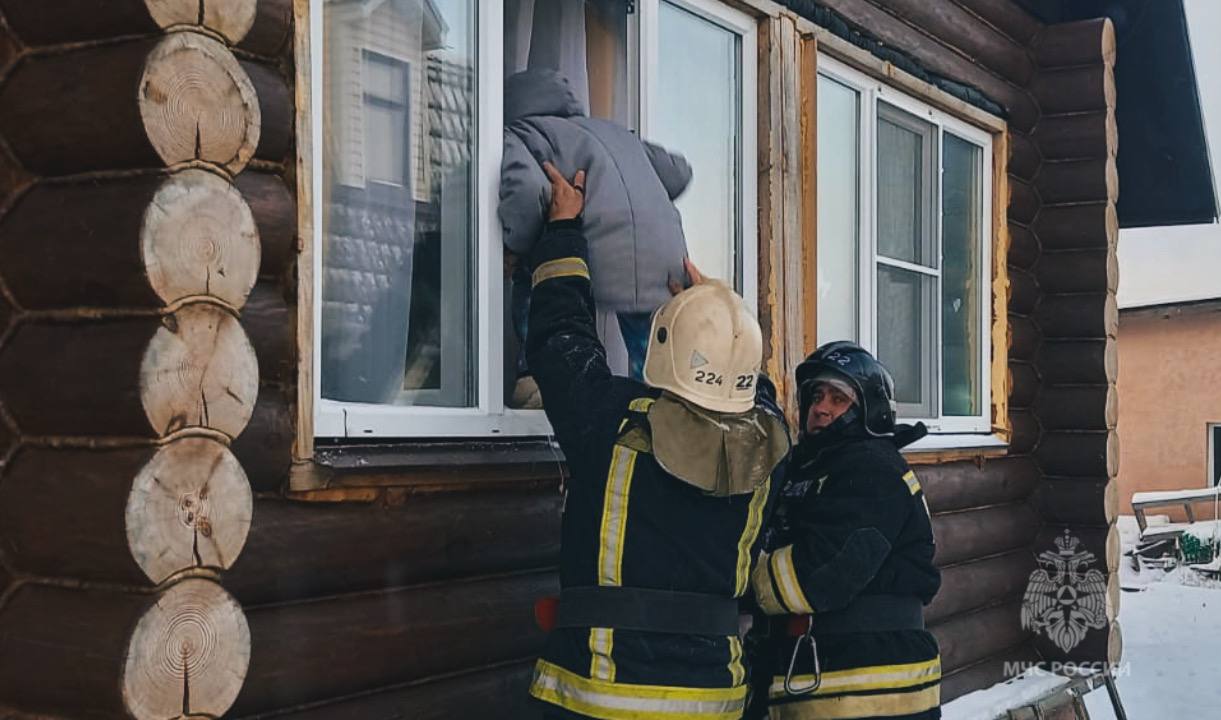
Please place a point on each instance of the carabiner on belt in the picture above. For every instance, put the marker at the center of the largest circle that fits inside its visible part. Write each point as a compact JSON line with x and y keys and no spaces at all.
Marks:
{"x":807,"y":636}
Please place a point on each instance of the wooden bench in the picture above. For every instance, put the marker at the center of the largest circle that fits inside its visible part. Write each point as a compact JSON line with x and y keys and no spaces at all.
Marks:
{"x":1185,"y":499}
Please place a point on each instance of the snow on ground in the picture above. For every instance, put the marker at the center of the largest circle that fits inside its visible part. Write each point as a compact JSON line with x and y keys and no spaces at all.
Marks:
{"x":996,"y":701}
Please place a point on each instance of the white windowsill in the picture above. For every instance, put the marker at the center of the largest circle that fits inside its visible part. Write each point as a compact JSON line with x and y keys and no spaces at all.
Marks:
{"x":956,"y":441}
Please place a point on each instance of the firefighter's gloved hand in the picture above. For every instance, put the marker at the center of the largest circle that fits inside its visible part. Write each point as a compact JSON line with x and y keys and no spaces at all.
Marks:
{"x":567,"y":199}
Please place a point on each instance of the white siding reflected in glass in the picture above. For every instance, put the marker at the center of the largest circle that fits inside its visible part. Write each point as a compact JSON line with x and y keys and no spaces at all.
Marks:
{"x":961,"y":291}
{"x":839,"y":168}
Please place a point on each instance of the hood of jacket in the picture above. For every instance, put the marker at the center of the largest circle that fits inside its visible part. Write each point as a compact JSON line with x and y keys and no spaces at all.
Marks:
{"x":540,"y":92}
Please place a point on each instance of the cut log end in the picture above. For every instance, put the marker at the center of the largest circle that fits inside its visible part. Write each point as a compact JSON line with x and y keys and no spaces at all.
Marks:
{"x":231,"y":19}
{"x":199,"y":370}
{"x":198,"y":104}
{"x":199,"y":238}
{"x":188,"y":654}
{"x":190,"y":506}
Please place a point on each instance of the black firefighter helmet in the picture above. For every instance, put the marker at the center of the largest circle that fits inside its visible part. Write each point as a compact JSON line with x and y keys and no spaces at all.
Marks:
{"x":875,"y":388}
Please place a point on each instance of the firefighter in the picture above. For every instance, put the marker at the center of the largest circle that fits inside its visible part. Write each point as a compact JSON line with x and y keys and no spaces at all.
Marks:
{"x":670,"y":484}
{"x":848,"y":561}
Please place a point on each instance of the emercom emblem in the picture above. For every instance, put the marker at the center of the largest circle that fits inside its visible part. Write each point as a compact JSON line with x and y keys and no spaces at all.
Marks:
{"x":1065,"y":598}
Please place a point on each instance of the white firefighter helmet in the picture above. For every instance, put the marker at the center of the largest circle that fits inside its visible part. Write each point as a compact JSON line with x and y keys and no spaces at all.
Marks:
{"x":705,"y":346}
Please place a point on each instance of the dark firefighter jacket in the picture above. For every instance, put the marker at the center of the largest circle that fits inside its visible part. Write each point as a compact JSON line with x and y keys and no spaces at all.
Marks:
{"x":628,"y":523}
{"x":852,"y":523}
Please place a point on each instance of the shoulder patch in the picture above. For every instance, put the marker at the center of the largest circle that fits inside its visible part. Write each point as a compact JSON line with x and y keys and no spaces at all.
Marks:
{"x":912,"y":483}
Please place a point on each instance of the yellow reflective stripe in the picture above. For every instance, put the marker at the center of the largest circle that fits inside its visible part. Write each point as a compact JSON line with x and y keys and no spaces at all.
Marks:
{"x":641,"y":404}
{"x":614,"y":516}
{"x":786,"y":580}
{"x":601,"y":663}
{"x":622,"y":701}
{"x":879,"y":677}
{"x":912,"y":483}
{"x":765,"y":594}
{"x":846,"y":707}
{"x":736,"y":669}
{"x":754,"y":521}
{"x":564,"y":267}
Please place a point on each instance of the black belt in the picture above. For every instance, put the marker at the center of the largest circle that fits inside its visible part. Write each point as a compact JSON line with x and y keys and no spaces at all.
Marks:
{"x":872,"y":613}
{"x":658,"y":611}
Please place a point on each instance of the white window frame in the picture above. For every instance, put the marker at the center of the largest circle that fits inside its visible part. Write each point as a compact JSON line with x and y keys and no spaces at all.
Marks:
{"x":1210,"y":481}
{"x":944,"y":432}
{"x":490,"y":417}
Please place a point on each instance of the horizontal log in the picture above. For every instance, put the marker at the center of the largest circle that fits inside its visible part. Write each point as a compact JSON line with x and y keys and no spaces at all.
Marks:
{"x":985,"y":673}
{"x":1024,"y":338}
{"x":77,"y":111}
{"x":962,"y":485}
{"x":133,"y":242}
{"x":1086,"y":88}
{"x":967,"y":639}
{"x":1084,"y":407}
{"x":1074,"y":181}
{"x":1100,"y":540}
{"x":972,"y":37}
{"x":495,"y":692}
{"x":89,"y":653}
{"x":265,"y":447}
{"x":1024,"y":384}
{"x":276,"y":111}
{"x":1024,"y":157}
{"x":1023,"y":201}
{"x":261,"y":26}
{"x":1095,"y":647}
{"x":271,"y":324}
{"x":275,"y":215}
{"x":1079,"y":271}
{"x":1077,"y":227}
{"x":1006,"y":16}
{"x":137,"y":377}
{"x":1092,"y":315}
{"x":1078,"y":362}
{"x":1083,"y":42}
{"x":1024,"y":292}
{"x":1023,"y":247}
{"x":132,"y":516}
{"x":1077,"y":136}
{"x":307,"y":550}
{"x":1079,"y":454}
{"x":354,"y":643}
{"x":1076,"y":501}
{"x":972,"y":534}
{"x":937,"y":57}
{"x":1026,"y":431}
{"x":9,"y":438}
{"x":968,"y":586}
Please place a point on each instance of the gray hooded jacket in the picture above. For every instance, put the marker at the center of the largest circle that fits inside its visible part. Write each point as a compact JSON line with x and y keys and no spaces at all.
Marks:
{"x":634,"y":231}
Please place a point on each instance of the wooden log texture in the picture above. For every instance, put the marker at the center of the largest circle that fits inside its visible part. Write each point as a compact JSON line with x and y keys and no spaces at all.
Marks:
{"x":271,"y":325}
{"x":487,"y":692}
{"x":353,"y":643}
{"x":1023,"y":247}
{"x":1092,"y":315}
{"x":935,"y":50}
{"x":971,"y":534}
{"x":976,"y":584}
{"x":1079,"y":454}
{"x":1024,"y":385}
{"x":89,"y":653}
{"x":1086,"y":88}
{"x":261,"y":26}
{"x":962,"y":485}
{"x":140,"y":104}
{"x":1024,"y":292}
{"x":1083,"y":42}
{"x":1024,"y":157}
{"x":1078,"y":362}
{"x":966,"y":639}
{"x":1077,"y":227}
{"x":1079,"y":271}
{"x":986,"y":672}
{"x":1074,"y":181}
{"x":1078,"y":136}
{"x":132,"y":516}
{"x":307,"y":550}
{"x":1102,"y":541}
{"x":1006,"y":16}
{"x":1082,"y":407}
{"x":1023,"y":201}
{"x":1026,"y":431}
{"x":275,"y":215}
{"x":265,"y":447}
{"x":1024,"y":338}
{"x":134,"y":242}
{"x":276,"y":111}
{"x":141,"y":377}
{"x":1077,"y":501}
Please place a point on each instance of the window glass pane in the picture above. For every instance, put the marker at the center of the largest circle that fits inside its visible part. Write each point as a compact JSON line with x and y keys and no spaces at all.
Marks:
{"x":905,"y":332}
{"x":906,"y":182}
{"x":397,"y":294}
{"x":961,"y":294}
{"x":698,"y":97}
{"x":838,"y":209}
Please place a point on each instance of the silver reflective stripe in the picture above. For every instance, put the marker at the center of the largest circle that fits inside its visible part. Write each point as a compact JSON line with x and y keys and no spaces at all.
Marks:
{"x":610,"y":700}
{"x":614,"y":516}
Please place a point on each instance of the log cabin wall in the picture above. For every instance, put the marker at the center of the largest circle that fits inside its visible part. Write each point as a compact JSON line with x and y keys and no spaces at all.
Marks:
{"x":144,"y":262}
